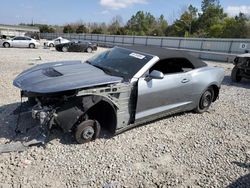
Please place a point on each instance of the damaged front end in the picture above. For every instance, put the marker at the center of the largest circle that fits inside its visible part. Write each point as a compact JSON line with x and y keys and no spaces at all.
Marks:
{"x":78,"y":97}
{"x":110,"y":107}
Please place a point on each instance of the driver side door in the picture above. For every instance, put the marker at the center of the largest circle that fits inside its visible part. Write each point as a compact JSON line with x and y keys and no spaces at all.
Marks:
{"x":17,"y":42}
{"x":172,"y":93}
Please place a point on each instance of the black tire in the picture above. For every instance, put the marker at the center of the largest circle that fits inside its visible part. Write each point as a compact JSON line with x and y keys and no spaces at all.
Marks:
{"x":89,"y":50}
{"x":64,"y":49}
{"x":87,"y":131}
{"x":205,"y":100}
{"x":31,"y":45}
{"x":235,"y":75}
{"x":51,"y":45}
{"x":6,"y":45}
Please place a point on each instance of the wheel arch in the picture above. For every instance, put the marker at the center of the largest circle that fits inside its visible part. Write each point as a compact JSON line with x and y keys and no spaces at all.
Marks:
{"x":105,"y":113}
{"x":100,"y":108}
{"x":6,"y":43}
{"x":32,"y":43}
{"x":216,"y":89}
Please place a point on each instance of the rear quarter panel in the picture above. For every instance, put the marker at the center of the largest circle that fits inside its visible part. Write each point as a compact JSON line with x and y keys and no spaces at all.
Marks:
{"x":205,"y":77}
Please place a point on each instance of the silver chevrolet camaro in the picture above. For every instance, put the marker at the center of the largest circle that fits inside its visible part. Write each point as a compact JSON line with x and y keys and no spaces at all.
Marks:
{"x":118,"y":89}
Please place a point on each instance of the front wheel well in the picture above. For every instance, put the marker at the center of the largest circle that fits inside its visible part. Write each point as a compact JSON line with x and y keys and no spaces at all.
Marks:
{"x":216,"y":92}
{"x":105,"y":114}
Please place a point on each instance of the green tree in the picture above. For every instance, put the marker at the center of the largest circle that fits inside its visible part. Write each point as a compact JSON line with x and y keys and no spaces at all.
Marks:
{"x":81,"y":29}
{"x":46,"y":29}
{"x":185,"y":25}
{"x":97,"y":30}
{"x":115,"y":26}
{"x":205,"y":4}
{"x":213,"y":14}
{"x":216,"y":30}
{"x":68,"y":29}
{"x":161,"y":27}
{"x":235,"y":27}
{"x":141,"y":23}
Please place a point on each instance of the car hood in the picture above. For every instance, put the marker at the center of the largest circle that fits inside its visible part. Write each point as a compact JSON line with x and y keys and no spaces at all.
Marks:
{"x":62,"y":76}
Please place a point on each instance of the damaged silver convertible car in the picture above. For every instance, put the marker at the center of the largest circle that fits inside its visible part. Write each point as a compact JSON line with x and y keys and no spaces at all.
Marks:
{"x":118,"y":89}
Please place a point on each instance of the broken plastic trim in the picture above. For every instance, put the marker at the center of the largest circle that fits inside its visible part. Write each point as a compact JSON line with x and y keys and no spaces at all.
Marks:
{"x":19,"y":146}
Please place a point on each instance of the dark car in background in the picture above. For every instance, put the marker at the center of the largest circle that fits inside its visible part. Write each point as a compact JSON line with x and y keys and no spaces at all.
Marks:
{"x":77,"y":46}
{"x":241,"y":67}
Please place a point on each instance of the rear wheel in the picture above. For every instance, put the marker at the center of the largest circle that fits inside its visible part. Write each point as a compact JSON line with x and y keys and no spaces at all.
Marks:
{"x":64,"y":49}
{"x":87,"y":131}
{"x":205,"y":100}
{"x":235,"y":75}
{"x":89,"y":50}
{"x":32,"y":45}
{"x":6,"y":45}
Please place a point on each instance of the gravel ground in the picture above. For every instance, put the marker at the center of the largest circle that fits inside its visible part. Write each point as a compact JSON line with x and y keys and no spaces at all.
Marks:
{"x":185,"y":150}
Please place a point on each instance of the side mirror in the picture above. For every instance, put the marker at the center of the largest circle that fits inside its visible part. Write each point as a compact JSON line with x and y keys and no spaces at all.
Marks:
{"x":154,"y":75}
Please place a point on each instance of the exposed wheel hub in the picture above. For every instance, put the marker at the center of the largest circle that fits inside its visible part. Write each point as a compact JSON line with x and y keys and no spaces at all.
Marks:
{"x":88,"y":133}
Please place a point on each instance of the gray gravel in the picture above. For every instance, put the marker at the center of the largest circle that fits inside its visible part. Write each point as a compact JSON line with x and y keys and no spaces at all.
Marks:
{"x":185,"y":150}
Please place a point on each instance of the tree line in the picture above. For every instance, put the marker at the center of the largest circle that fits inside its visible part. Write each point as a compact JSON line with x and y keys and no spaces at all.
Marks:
{"x":211,"y":22}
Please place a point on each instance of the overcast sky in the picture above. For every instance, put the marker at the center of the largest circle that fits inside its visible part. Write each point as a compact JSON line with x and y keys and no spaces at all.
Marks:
{"x":65,"y":11}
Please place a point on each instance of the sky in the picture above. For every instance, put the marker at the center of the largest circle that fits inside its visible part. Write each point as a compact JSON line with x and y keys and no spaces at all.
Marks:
{"x":60,"y":12}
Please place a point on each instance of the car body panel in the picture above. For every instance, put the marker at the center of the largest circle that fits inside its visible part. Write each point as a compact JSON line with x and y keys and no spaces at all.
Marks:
{"x":165,"y":94}
{"x":61,"y":76}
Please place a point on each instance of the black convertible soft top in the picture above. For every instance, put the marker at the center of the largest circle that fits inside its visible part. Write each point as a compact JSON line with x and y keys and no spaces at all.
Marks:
{"x":165,"y":53}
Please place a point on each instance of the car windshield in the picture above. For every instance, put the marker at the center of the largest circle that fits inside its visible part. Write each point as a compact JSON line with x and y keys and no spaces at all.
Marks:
{"x":120,"y":62}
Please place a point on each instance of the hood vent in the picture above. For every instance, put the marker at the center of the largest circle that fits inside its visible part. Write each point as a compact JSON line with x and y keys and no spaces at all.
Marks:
{"x":51,"y":72}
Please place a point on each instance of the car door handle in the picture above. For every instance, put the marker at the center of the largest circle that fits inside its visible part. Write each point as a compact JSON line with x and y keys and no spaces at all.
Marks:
{"x":185,"y":80}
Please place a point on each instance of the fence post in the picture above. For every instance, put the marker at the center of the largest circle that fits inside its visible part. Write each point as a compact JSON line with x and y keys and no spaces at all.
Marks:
{"x":230,"y":47}
{"x":179,"y":46}
{"x":146,"y":42}
{"x":161,"y":41}
{"x":123,"y":39}
{"x":201,"y":48}
{"x":105,"y":40}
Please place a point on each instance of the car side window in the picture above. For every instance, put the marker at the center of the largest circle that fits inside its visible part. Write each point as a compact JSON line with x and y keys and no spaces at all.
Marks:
{"x":172,"y":65}
{"x":17,"y":38}
{"x":23,"y":38}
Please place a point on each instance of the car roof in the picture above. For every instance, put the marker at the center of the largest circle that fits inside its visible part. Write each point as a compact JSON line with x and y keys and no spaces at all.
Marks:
{"x":165,"y":53}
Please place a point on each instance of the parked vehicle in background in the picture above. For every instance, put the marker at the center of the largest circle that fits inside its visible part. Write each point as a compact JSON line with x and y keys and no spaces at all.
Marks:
{"x":25,"y":42}
{"x":241,"y":67}
{"x":77,"y":46}
{"x":53,"y":43}
{"x":118,"y":89}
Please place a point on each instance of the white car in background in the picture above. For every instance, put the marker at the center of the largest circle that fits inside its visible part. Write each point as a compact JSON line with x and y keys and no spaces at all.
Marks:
{"x":25,"y":42}
{"x":53,"y":43}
